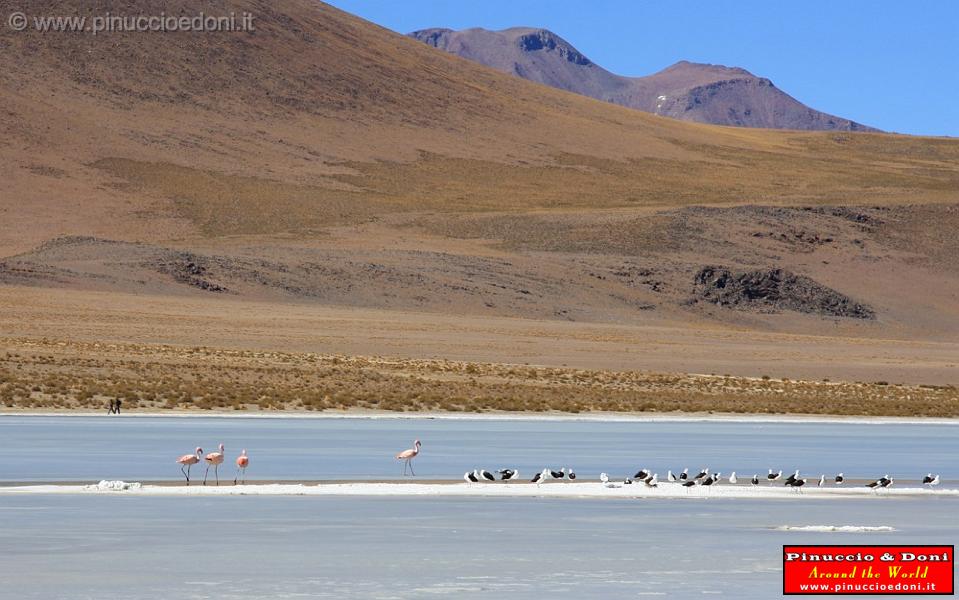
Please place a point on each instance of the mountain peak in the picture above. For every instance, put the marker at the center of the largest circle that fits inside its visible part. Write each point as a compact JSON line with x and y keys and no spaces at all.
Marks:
{"x":685,"y":66}
{"x":686,"y":90}
{"x":545,"y":40}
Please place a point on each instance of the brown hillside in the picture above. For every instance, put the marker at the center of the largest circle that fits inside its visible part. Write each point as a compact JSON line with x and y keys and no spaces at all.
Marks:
{"x":325,"y":185}
{"x":319,"y":118}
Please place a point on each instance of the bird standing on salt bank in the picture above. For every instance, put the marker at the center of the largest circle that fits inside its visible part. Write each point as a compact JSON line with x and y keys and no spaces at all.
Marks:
{"x":214,"y":459}
{"x":508,"y":474}
{"x":242,"y":462}
{"x":408,"y":455}
{"x":188,"y":460}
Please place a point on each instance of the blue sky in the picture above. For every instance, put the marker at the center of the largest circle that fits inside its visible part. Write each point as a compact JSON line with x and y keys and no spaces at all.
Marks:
{"x":892,"y":65}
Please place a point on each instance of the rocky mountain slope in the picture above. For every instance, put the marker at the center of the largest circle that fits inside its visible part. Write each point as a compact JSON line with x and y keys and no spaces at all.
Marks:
{"x":687,"y":91}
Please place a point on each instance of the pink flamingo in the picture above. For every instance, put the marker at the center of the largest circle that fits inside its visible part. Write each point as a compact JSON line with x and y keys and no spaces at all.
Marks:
{"x":408,"y":455}
{"x":215,"y":459}
{"x":242,"y":462}
{"x":188,"y":460}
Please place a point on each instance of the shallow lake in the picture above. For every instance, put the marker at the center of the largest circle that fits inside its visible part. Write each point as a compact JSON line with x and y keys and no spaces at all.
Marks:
{"x":250,"y":547}
{"x":39,"y":448}
{"x":245,"y":547}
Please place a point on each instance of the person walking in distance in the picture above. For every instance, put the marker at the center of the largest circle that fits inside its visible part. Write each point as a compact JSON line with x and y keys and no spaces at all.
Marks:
{"x":113,"y":407}
{"x":118,"y":405}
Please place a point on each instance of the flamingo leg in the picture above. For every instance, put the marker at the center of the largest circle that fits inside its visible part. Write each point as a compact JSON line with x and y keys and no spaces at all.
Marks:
{"x":206,"y":474}
{"x":237,"y":475}
{"x":412,"y":472}
{"x":216,"y":473}
{"x":183,"y":470}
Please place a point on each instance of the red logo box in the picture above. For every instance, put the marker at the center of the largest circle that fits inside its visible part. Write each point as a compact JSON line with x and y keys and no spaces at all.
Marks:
{"x":858,"y":570}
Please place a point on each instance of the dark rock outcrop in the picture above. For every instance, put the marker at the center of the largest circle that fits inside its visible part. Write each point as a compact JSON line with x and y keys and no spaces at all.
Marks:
{"x":188,"y":268}
{"x":772,"y":290}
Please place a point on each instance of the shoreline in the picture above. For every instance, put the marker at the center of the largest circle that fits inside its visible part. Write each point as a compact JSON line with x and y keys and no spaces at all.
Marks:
{"x":584,"y":490}
{"x":598,"y":417}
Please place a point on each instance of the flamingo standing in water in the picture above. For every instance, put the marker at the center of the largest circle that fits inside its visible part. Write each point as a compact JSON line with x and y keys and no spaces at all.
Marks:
{"x":408,"y":455}
{"x":188,"y":460}
{"x":242,"y":462}
{"x":215,"y":459}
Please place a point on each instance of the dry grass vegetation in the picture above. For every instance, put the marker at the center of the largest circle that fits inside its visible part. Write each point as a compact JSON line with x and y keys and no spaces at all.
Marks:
{"x":49,"y":374}
{"x":336,"y":164}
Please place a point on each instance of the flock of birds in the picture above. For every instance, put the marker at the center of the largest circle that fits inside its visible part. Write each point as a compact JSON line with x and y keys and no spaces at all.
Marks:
{"x":213,"y":459}
{"x":481,"y":475}
{"x":644,"y":476}
{"x":703,"y":478}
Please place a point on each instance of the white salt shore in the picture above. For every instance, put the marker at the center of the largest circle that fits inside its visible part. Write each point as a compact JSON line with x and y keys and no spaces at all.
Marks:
{"x":837,"y":528}
{"x":602,"y":417}
{"x":514,"y":490}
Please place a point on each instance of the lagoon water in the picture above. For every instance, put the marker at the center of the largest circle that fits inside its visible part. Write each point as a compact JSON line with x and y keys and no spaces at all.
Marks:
{"x":142,"y":548}
{"x":245,"y":547}
{"x":133,"y":448}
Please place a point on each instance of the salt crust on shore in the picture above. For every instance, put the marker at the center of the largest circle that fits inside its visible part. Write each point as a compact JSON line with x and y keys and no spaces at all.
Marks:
{"x":502,"y":490}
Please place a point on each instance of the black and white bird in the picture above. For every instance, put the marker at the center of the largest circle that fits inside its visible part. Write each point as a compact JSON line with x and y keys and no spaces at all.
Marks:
{"x":689,"y":483}
{"x":774,"y":476}
{"x":558,"y":474}
{"x":797,"y":483}
{"x":470,"y":477}
{"x":882,"y":482}
{"x":652,"y":481}
{"x":708,"y":480}
{"x":487,"y":475}
{"x":754,"y":480}
{"x":538,"y":478}
{"x":839,"y":479}
{"x":822,"y":481}
{"x":703,"y":473}
{"x":886,"y":481}
{"x":570,"y":474}
{"x":931,"y":480}
{"x":641,"y":474}
{"x":733,"y":478}
{"x":627,"y":481}
{"x":508,"y":474}
{"x":670,"y":477}
{"x":604,"y":477}
{"x":792,"y":478}
{"x":684,"y":475}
